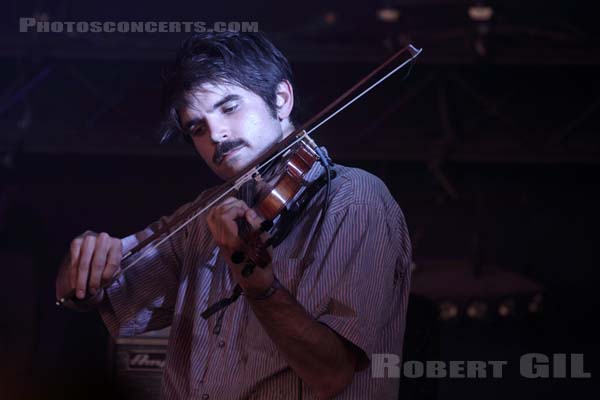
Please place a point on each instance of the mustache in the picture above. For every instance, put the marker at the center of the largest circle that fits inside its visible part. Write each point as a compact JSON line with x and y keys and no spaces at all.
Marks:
{"x":224,"y":148}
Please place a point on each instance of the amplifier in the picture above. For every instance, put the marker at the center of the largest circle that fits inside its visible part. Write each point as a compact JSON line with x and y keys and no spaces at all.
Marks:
{"x":138,"y":363}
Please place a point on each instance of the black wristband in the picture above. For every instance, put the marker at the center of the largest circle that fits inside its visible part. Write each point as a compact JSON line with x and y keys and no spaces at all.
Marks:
{"x":269,"y":292}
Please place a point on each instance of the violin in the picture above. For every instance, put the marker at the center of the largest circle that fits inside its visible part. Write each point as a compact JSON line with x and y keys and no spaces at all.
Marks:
{"x":294,"y":156}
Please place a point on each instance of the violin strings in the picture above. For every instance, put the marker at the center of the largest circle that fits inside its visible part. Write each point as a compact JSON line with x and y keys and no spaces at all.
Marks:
{"x":250,"y":174}
{"x":167,"y":237}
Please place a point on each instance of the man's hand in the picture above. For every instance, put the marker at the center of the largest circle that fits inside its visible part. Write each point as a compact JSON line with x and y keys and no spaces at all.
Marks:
{"x":92,"y":260}
{"x":316,"y":353}
{"x":223,"y":227}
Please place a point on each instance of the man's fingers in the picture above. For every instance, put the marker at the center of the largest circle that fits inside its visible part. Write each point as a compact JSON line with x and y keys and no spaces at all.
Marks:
{"x":222,"y":221}
{"x":253,"y":218}
{"x":226,"y":214}
{"x":233,"y":212}
{"x":92,"y":259}
{"x":74,"y":261}
{"x":85,"y":257}
{"x":98,"y":261}
{"x":113,"y":260}
{"x":229,"y":200}
{"x":223,"y":208}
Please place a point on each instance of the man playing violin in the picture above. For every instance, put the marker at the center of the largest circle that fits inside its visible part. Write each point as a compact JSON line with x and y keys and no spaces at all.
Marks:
{"x":306,"y":324}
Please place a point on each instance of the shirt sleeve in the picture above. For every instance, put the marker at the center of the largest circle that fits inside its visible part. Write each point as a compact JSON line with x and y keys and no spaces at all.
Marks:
{"x":361,"y":273}
{"x":143,"y":298}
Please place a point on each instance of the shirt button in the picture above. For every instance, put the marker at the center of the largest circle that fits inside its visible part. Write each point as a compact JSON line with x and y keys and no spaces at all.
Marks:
{"x":221,"y":343}
{"x":205,"y":396}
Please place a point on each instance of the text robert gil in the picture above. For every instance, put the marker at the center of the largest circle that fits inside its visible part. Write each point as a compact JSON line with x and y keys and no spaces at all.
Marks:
{"x":531,"y":365}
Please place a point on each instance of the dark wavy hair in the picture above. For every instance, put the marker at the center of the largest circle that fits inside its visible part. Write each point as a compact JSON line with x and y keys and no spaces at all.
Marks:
{"x":248,"y":60}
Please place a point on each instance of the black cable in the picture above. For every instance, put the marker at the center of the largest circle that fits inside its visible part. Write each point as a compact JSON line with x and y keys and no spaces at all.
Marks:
{"x":326,"y":162}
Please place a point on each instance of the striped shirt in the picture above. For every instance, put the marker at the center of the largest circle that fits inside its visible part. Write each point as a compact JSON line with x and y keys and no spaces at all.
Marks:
{"x":356,"y":282}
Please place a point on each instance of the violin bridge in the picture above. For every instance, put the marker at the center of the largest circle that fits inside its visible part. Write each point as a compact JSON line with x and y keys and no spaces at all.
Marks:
{"x":311,"y":145}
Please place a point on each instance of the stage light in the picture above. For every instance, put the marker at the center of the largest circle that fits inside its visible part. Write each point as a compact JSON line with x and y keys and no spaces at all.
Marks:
{"x":477,"y":309}
{"x":448,"y":311}
{"x":330,"y":18}
{"x":507,"y":308}
{"x":480,"y":13}
{"x":388,"y":14}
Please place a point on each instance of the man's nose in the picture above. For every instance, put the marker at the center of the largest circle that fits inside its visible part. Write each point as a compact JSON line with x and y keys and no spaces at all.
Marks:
{"x":219,"y":131}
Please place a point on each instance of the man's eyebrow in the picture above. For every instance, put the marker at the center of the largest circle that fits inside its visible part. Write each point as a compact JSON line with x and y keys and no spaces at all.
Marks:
{"x":225,"y":99}
{"x":195,"y":121}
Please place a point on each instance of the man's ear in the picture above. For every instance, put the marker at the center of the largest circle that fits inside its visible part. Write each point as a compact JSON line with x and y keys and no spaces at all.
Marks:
{"x":284,"y":100}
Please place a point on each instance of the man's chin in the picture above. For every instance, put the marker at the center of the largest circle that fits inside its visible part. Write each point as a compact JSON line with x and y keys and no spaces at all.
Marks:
{"x":227,"y":171}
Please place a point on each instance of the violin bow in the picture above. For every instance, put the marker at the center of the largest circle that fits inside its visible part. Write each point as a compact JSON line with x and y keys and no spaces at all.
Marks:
{"x":406,"y":55}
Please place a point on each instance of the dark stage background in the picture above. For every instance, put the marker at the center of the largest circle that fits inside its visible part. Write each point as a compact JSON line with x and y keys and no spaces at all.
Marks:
{"x":490,"y":146}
